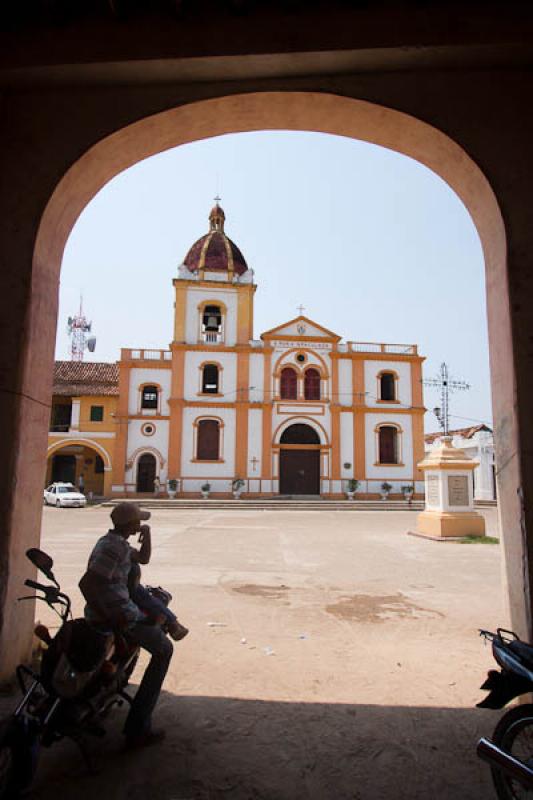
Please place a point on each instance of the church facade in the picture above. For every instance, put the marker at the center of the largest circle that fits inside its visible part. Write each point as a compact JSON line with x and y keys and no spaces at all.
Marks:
{"x":295,"y":412}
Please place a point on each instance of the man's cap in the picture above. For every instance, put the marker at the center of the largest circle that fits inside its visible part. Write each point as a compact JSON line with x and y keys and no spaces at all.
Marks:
{"x":126,"y":513}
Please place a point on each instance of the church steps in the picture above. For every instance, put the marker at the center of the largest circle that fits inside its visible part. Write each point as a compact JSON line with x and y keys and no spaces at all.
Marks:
{"x":273,"y":505}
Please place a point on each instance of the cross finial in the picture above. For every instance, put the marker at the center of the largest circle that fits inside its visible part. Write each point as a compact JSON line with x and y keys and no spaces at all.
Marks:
{"x":300,"y":309}
{"x":217,"y":199}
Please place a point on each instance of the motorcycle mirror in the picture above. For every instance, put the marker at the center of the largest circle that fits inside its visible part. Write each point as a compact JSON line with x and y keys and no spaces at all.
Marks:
{"x":42,"y":561}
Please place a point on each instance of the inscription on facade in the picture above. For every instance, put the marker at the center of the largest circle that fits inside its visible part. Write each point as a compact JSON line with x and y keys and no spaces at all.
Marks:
{"x":289,"y":345}
{"x":457,"y":490}
{"x":433,"y":493}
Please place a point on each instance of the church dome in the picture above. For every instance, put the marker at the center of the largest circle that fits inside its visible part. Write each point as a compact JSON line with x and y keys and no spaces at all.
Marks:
{"x":215,"y":252}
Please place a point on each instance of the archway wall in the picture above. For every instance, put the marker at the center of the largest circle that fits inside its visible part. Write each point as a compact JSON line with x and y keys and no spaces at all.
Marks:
{"x":86,"y":135}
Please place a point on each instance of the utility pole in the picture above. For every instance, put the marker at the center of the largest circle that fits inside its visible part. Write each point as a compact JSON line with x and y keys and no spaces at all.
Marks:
{"x":446,"y":384}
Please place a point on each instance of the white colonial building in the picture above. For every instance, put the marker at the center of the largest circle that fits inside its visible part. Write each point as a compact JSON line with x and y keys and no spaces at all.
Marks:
{"x":295,"y":412}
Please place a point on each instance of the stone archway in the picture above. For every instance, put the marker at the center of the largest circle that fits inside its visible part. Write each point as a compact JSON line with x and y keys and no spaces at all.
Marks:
{"x":287,"y":110}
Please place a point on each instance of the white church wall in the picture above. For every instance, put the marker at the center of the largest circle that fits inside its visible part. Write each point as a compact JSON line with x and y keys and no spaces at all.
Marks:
{"x":138,"y":442}
{"x":345,"y":383}
{"x":142,"y":375}
{"x":255,"y":445}
{"x":257,"y":361}
{"x":347,"y":454}
{"x":197,"y":296}
{"x":228,"y":376}
{"x":395,"y":475}
{"x":195,"y":473}
{"x":372,"y":370}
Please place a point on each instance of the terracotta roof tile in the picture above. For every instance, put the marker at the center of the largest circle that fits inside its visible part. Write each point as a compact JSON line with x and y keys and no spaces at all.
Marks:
{"x":466,"y":433}
{"x":76,"y":378}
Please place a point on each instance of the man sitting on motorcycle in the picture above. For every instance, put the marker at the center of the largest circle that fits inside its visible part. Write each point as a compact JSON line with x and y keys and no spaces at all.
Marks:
{"x":105,"y":588}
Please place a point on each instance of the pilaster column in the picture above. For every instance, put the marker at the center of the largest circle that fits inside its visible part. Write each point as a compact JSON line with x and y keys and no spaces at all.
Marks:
{"x":241,"y":414}
{"x":121,"y":421}
{"x":176,"y":412}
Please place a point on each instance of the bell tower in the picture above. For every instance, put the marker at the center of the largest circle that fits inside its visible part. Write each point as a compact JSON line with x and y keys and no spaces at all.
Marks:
{"x":214,"y":290}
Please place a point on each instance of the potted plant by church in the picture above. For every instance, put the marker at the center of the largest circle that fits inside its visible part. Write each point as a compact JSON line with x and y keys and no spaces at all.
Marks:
{"x":172,"y":487}
{"x":385,"y":490}
{"x":351,"y":488}
{"x":237,"y":485}
{"x":408,"y":492}
{"x":205,"y":489}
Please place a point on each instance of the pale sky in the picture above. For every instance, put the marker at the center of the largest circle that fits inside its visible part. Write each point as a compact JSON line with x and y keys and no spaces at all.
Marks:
{"x":375,"y":246}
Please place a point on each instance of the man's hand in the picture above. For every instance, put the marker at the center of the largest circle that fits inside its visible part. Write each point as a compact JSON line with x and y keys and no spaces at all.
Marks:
{"x":145,"y":533}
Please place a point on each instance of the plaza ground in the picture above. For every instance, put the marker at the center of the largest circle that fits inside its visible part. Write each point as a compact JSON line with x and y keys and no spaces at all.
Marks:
{"x":330,"y":656}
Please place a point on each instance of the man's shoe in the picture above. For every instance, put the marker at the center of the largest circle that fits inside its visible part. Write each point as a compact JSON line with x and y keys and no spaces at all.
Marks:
{"x":145,"y":740}
{"x":178,"y":631}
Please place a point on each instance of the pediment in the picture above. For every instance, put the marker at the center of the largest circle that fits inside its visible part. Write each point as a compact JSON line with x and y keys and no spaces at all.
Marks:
{"x":301,"y":328}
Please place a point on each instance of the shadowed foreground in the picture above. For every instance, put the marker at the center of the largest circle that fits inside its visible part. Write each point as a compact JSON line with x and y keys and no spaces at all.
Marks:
{"x":244,"y":749}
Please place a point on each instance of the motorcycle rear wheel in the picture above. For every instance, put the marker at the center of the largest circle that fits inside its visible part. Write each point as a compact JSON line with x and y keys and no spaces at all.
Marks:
{"x":514,"y":733}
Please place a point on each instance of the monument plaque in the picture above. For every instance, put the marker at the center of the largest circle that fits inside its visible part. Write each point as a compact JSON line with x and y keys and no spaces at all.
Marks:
{"x":458,"y":490}
{"x":433,"y":496}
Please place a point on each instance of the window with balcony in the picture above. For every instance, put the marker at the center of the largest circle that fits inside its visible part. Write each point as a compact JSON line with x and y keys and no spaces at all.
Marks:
{"x":60,"y":417}
{"x":212,"y":324}
{"x":288,"y":384}
{"x":210,"y":379}
{"x":149,"y":397}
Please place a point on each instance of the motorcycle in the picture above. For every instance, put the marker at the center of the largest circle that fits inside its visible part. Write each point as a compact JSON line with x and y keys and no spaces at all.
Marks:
{"x":510,"y":752}
{"x":83,"y":674}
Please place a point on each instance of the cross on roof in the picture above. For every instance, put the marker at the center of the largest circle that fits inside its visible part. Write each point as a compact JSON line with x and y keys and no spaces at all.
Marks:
{"x":300,"y":309}
{"x":217,"y":199}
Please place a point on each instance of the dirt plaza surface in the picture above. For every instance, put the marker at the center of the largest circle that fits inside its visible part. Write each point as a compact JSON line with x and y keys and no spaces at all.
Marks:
{"x":330,"y":656}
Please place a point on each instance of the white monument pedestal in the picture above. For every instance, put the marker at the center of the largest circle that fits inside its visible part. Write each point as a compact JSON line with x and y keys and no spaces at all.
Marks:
{"x":449,"y":511}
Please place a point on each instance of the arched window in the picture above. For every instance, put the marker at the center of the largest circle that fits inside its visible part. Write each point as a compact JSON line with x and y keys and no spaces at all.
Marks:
{"x":299,"y":434}
{"x":312,"y":384}
{"x":210,"y":379}
{"x":208,"y":444}
{"x":149,"y":397}
{"x":212,"y":324}
{"x":387,"y":386}
{"x":388,"y":444}
{"x":288,"y":384}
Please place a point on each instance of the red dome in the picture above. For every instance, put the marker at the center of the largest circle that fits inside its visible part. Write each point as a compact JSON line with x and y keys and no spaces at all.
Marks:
{"x":215,"y":251}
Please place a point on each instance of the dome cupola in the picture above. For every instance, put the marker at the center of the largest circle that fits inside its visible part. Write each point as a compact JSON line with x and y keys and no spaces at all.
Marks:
{"x":215,"y":252}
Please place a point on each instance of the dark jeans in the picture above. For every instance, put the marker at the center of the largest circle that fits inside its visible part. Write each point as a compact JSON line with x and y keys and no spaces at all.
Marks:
{"x":147,"y":602}
{"x":152,"y":639}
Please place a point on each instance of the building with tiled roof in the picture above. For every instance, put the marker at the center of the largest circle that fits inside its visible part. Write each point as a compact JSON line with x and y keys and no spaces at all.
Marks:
{"x":78,"y":378}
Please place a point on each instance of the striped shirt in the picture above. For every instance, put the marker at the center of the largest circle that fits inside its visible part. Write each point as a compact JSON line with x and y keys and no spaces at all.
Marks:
{"x":111,"y":559}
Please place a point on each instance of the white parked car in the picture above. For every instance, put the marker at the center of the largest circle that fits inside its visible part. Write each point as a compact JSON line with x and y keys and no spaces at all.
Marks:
{"x":64,"y":495}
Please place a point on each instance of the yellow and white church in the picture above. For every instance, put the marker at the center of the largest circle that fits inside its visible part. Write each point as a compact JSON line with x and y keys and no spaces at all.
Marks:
{"x":296,"y":412}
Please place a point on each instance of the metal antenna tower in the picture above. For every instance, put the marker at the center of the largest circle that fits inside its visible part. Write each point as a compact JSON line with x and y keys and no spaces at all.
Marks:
{"x":78,"y":327}
{"x":446,"y":384}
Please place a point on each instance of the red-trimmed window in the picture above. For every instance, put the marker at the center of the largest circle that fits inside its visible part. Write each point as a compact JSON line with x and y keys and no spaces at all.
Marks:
{"x":312,"y":384}
{"x":388,"y":445}
{"x":208,"y":447}
{"x":288,"y":384}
